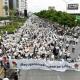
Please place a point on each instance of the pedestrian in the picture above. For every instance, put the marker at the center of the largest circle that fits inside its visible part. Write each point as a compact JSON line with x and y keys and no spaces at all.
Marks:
{"x":73,"y":48}
{"x":67,"y":46}
{"x":5,"y":78}
{"x":15,"y":76}
{"x":1,"y":62}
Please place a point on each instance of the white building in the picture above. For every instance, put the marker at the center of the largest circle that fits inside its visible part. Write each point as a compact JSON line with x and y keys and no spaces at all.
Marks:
{"x":15,"y":4}
{"x":22,"y":5}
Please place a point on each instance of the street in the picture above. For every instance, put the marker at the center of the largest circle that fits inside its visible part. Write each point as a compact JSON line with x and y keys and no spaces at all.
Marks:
{"x":49,"y":75}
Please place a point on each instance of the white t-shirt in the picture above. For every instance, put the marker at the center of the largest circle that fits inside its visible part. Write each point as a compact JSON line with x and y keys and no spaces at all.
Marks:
{"x":67,"y":45}
{"x":5,"y":79}
{"x":0,"y":51}
{"x":73,"y":46}
{"x":0,"y":37}
{"x":52,"y":56}
{"x":1,"y":58}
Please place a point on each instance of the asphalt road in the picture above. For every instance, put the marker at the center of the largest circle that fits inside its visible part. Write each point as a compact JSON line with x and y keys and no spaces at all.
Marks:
{"x":49,"y":75}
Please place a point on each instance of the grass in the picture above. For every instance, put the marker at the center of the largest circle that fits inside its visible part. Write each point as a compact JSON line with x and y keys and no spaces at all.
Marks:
{"x":11,"y":27}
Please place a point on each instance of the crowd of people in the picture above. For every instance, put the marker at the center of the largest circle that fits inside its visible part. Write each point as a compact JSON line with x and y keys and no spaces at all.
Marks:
{"x":40,"y":39}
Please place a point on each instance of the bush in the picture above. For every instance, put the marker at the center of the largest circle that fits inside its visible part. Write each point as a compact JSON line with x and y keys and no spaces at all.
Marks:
{"x":15,"y":24}
{"x":62,"y":18}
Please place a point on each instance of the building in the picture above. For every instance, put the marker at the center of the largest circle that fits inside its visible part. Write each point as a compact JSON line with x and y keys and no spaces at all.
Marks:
{"x":51,"y":8}
{"x":13,"y":4}
{"x":22,"y":5}
{"x":18,"y":5}
{"x":4,"y":7}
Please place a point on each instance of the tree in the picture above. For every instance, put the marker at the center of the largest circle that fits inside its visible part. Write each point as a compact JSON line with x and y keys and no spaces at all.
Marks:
{"x":12,"y":12}
{"x":62,"y":18}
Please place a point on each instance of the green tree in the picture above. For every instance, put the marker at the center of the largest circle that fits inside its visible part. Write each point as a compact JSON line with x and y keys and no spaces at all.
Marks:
{"x":62,"y":18}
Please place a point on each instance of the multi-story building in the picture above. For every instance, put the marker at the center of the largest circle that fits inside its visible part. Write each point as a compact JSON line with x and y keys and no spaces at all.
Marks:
{"x":51,"y":8}
{"x":4,"y":7}
{"x":13,"y":4}
{"x":22,"y":5}
{"x":19,"y":5}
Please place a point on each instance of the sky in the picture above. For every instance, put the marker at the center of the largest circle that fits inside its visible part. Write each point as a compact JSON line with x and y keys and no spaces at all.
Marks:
{"x":37,"y":5}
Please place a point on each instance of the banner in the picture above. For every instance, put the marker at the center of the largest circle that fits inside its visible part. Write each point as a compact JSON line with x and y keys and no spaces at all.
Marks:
{"x":27,"y":64}
{"x":73,"y":6}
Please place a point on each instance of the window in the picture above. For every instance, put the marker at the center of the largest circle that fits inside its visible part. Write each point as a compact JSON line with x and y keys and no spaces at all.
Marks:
{"x":6,"y":3}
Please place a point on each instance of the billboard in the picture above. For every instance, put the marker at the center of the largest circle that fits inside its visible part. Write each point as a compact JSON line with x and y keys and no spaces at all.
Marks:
{"x":73,"y":6}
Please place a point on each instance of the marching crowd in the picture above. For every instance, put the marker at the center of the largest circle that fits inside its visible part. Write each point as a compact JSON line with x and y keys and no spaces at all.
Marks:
{"x":40,"y":39}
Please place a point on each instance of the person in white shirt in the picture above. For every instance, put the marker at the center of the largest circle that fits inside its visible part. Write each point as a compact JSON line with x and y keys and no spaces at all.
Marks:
{"x":73,"y":48}
{"x":0,"y":51}
{"x":52,"y":57}
{"x":5,"y":78}
{"x":67,"y":46}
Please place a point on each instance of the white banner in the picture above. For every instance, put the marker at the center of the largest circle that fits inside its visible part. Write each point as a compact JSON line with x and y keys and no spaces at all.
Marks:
{"x":27,"y":64}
